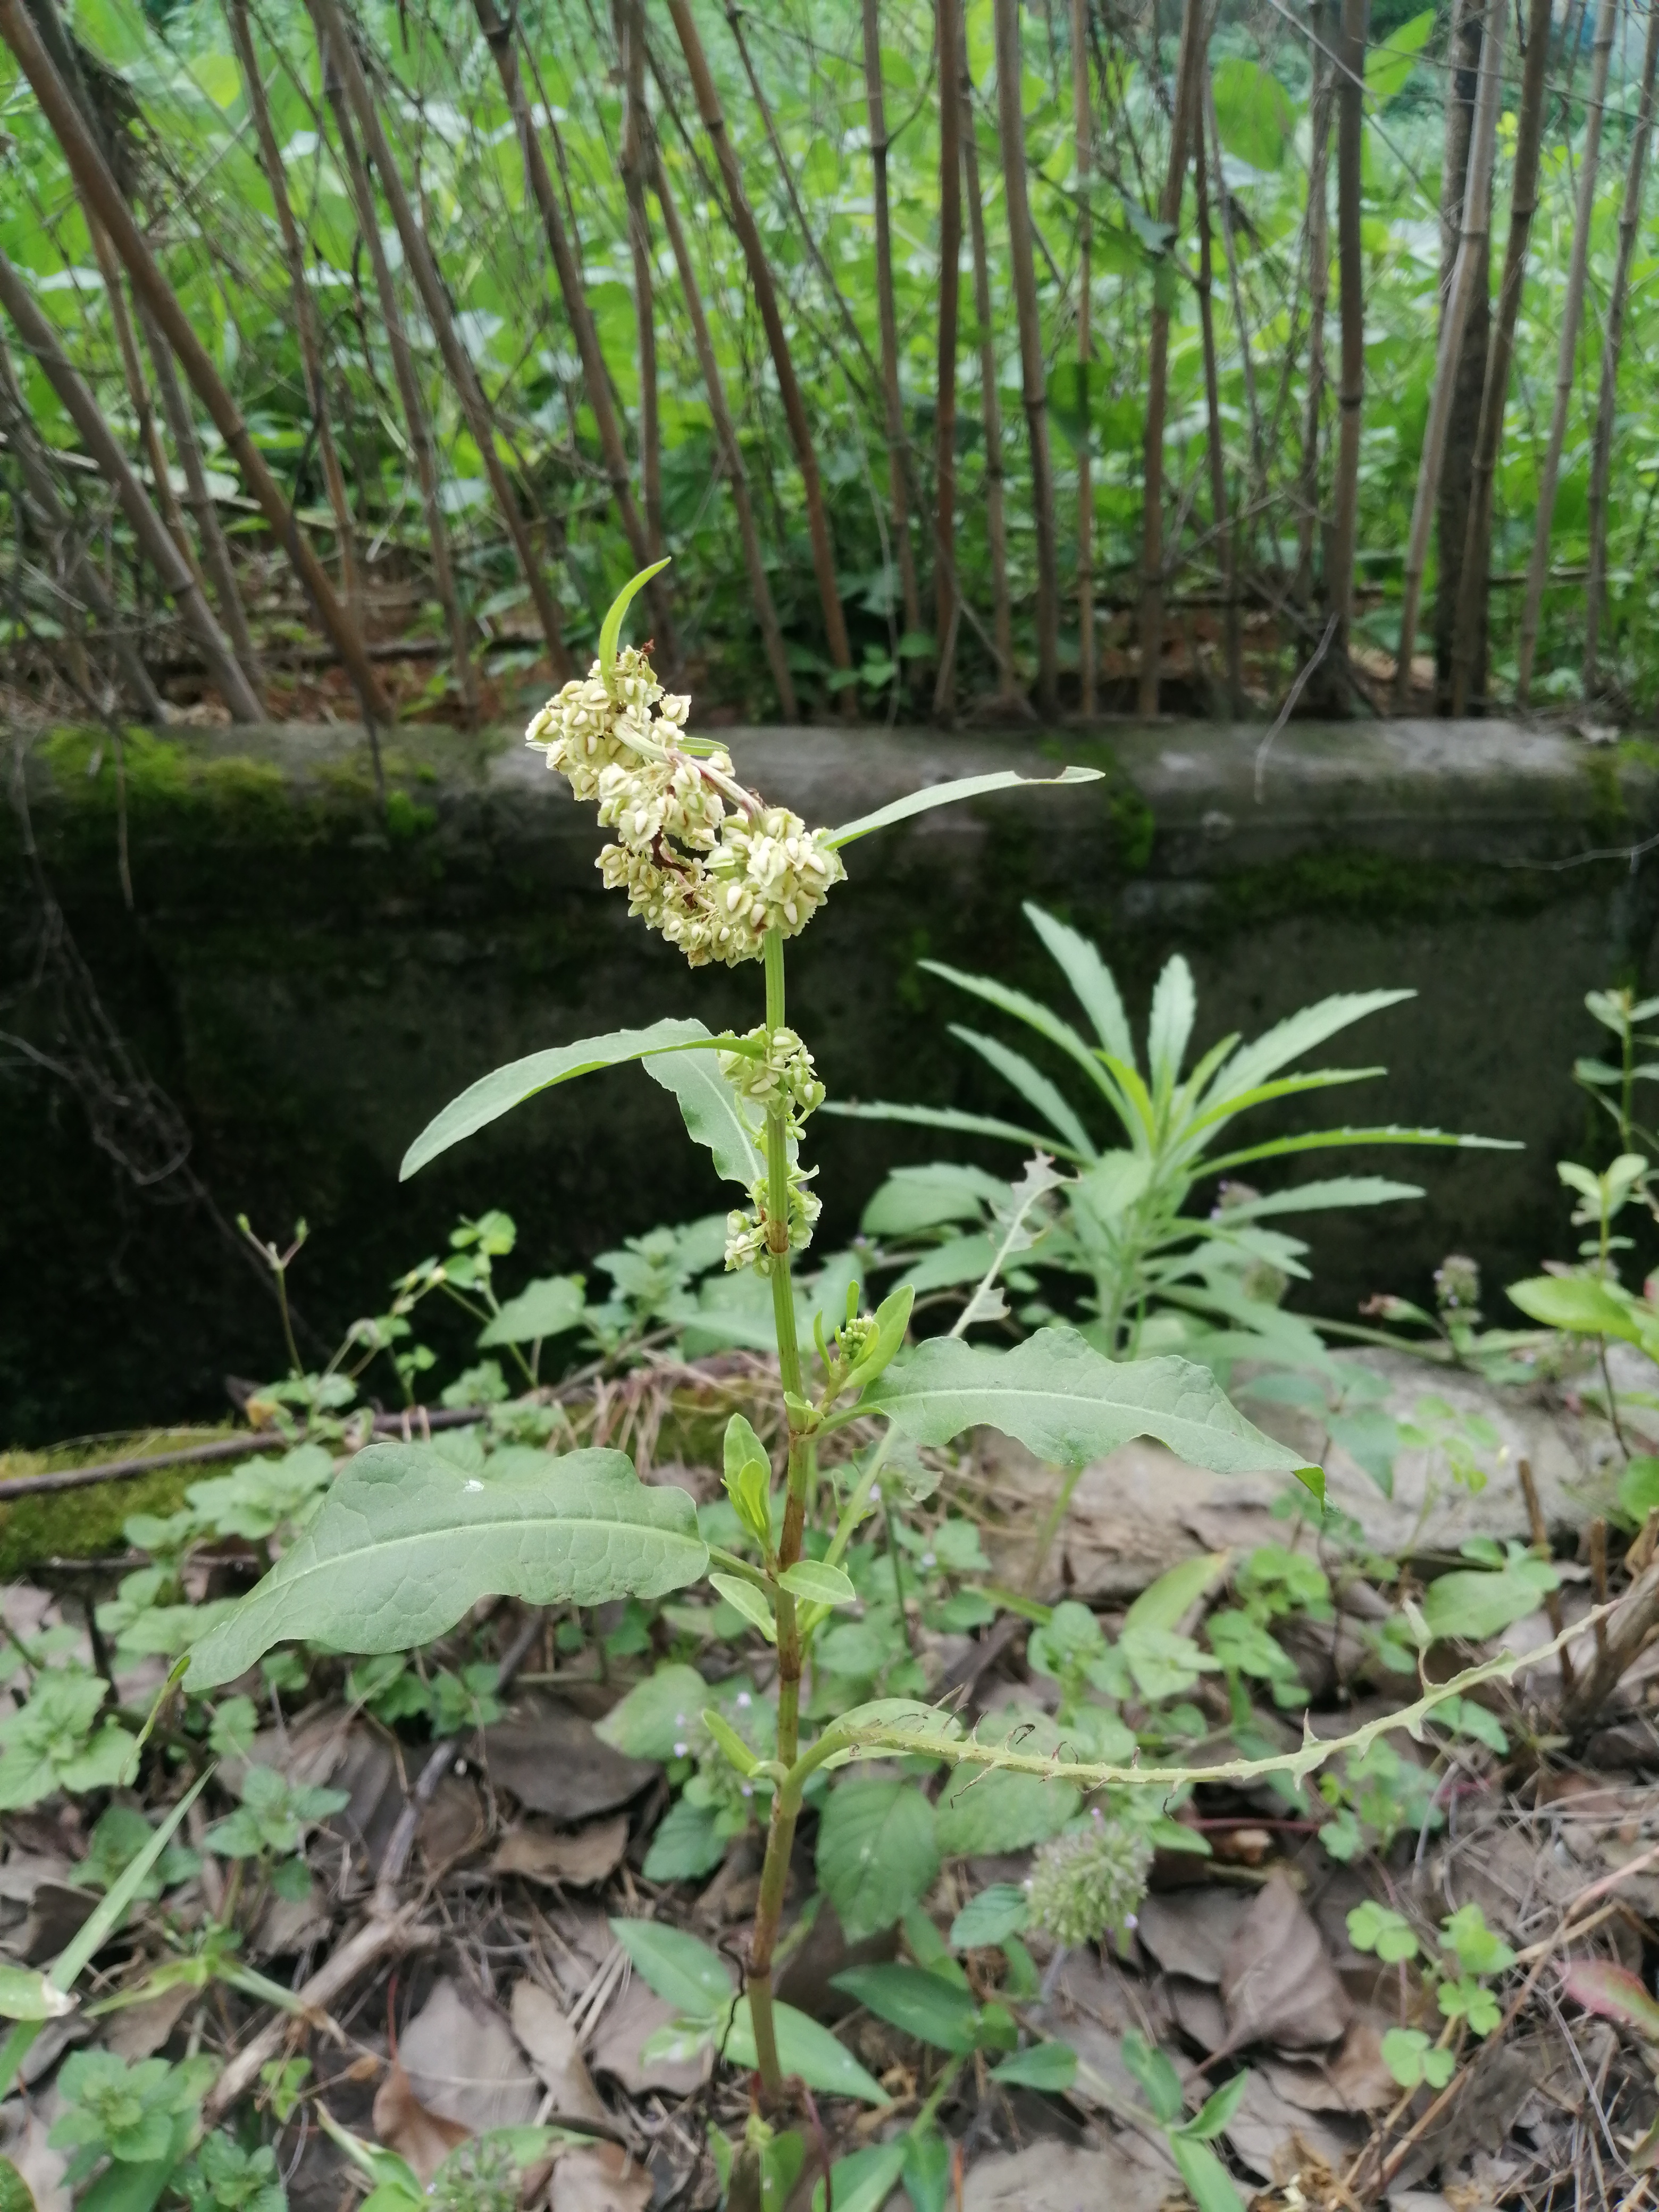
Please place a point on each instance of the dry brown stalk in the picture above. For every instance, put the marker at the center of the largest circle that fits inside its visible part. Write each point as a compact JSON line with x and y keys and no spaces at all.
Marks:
{"x":1217,"y":458}
{"x":947,"y":612}
{"x":1084,"y":137}
{"x":636,"y":171}
{"x":1350,"y":267}
{"x":996,"y":527}
{"x":1319,"y":288}
{"x":887,"y":316}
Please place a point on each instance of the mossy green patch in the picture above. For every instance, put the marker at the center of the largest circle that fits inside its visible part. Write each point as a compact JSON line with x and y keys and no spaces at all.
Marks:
{"x":87,"y":1523}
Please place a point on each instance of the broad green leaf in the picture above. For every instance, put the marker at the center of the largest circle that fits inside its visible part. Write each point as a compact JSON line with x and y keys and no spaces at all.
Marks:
{"x":493,"y":1095}
{"x":806,"y":2048}
{"x":991,"y":1917}
{"x":1090,"y":978}
{"x":865,"y":2180}
{"x":26,"y":1994}
{"x":1472,"y":1603}
{"x":1387,"y":66}
{"x":15,"y":2195}
{"x":931,"y":1197}
{"x":656,"y":1715}
{"x":546,"y":1308}
{"x":712,"y":1112}
{"x":1207,"y":2182}
{"x":1638,"y":1486}
{"x":1051,"y":2066}
{"x":682,"y":1971}
{"x":917,"y":2004}
{"x":1070,"y":1404}
{"x":948,"y":794}
{"x":818,"y":1584}
{"x":405,"y":1544}
{"x":1582,"y":1306}
{"x":687,"y":1845}
{"x":1253,"y":111}
{"x":864,"y":1725}
{"x":1166,"y":1602}
{"x":986,"y":1811}
{"x":750,"y":1602}
{"x":876,"y":1856}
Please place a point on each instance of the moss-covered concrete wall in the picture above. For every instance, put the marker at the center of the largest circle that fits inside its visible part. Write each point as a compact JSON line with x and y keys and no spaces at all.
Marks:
{"x":308,"y":978}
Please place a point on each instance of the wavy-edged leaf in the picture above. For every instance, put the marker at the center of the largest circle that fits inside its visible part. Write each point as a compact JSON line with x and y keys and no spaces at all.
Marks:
{"x":806,"y":2048}
{"x":1169,"y":1031}
{"x":876,"y":1856}
{"x":1033,"y":1087}
{"x":1069,"y":1404}
{"x":1298,"y":1033}
{"x":1090,"y":978}
{"x":712,"y":1112}
{"x":405,"y":1544}
{"x":1315,"y":1197}
{"x":952,"y":1118}
{"x":499,"y":1092}
{"x":1389,"y":1132}
{"x":949,"y":795}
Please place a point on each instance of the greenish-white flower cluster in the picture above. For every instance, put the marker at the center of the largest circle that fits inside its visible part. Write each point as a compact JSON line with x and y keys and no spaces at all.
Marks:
{"x":702,"y":860}
{"x":780,"y":1078}
{"x":1085,"y":1885}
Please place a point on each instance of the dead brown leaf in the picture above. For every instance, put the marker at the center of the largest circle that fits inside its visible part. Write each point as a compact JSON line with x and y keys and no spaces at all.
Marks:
{"x":139,"y":2031}
{"x":403,"y":2123}
{"x":1354,"y":2079}
{"x":464,"y":2063}
{"x":451,"y":1825}
{"x":550,"y":1759}
{"x":1277,"y":1980}
{"x":634,"y":2015}
{"x":542,"y":1853}
{"x":603,"y":2179}
{"x":1058,"y":2176}
{"x":1187,"y":1932}
{"x":550,"y":2043}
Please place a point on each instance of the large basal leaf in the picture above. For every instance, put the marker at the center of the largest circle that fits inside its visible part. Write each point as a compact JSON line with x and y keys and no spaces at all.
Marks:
{"x":1472,"y":1603}
{"x":947,"y":794}
{"x":405,"y":1544}
{"x":1253,"y":111}
{"x":876,"y":1854}
{"x":806,"y":2048}
{"x":1069,"y":1404}
{"x":499,"y":1092}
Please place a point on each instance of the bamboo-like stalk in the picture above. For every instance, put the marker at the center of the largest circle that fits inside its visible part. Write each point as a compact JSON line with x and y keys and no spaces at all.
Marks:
{"x":1033,"y":372}
{"x":1606,"y":400}
{"x":418,"y":256}
{"x":1319,"y":291}
{"x":766,"y":298}
{"x":305,"y":326}
{"x":209,"y":534}
{"x":1452,"y":504}
{"x":766,"y":613}
{"x":138,"y":394}
{"x":1217,"y":456}
{"x":57,"y":524}
{"x":499,"y":36}
{"x":887,"y":316}
{"x":156,"y":540}
{"x":96,"y":186}
{"x":1500,"y":354}
{"x":990,"y":402}
{"x":635,"y":173}
{"x":411,"y":397}
{"x":1351,"y":277}
{"x":1468,"y":269}
{"x":1572,"y":313}
{"x":1236,"y":287}
{"x":1188,"y":70}
{"x":1083,"y":133}
{"x":947,"y":608}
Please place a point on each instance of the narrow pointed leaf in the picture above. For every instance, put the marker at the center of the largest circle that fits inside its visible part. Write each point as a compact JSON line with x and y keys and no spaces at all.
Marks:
{"x":1175,"y":1004}
{"x":610,"y":628}
{"x":405,"y":1544}
{"x":1034,"y":1014}
{"x":952,"y":1118}
{"x":948,"y":794}
{"x":1033,"y":1087}
{"x":1090,"y":978}
{"x":1288,"y":1040}
{"x":498,"y":1093}
{"x":1391,"y":1133}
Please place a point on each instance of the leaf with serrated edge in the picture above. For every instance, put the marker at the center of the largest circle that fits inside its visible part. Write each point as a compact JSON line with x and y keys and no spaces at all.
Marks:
{"x":948,"y":794}
{"x":404,"y":1545}
{"x":1070,"y":1404}
{"x":504,"y":1088}
{"x":876,"y":1857}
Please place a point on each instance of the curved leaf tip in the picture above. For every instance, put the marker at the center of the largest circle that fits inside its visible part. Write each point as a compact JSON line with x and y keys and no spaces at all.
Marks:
{"x":610,"y":628}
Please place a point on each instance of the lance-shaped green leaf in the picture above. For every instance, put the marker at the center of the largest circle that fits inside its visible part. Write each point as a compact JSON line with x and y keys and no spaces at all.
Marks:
{"x":947,"y":794}
{"x":499,"y":1092}
{"x":712,"y":1112}
{"x":611,"y":628}
{"x":1069,"y":1404}
{"x":405,"y":1544}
